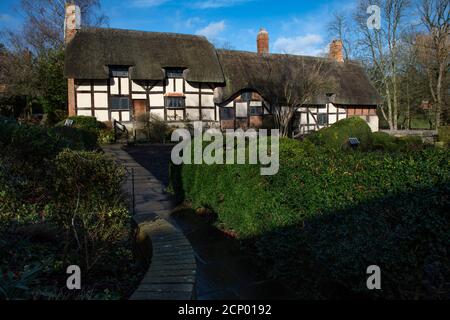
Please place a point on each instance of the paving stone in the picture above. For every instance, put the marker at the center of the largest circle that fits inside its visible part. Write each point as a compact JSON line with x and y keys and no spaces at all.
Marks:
{"x":172,"y":271}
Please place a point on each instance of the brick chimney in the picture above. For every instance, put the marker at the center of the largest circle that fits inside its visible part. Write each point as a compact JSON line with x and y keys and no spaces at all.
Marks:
{"x":336,"y":51}
{"x":263,"y":41}
{"x":72,"y":21}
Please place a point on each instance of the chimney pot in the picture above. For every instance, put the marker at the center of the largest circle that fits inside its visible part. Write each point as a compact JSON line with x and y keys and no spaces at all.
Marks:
{"x":72,"y":21}
{"x":262,"y":41}
{"x":336,"y":51}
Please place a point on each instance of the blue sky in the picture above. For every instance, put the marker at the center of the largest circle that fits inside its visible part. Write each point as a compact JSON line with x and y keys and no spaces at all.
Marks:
{"x":295,"y":26}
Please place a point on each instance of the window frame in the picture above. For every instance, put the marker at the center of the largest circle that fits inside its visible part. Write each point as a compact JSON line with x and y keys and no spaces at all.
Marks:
{"x":231,"y":113}
{"x":180,"y":98}
{"x":257,"y":114}
{"x":177,"y":73}
{"x":121,"y":98}
{"x":320,"y":117}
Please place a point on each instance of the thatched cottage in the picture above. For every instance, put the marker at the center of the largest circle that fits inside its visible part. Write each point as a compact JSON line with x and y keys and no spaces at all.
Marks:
{"x":122,"y":74}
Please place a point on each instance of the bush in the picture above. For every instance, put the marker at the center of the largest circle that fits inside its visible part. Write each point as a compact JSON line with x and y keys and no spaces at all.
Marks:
{"x":106,"y":136}
{"x":384,"y":141}
{"x":337,"y":135}
{"x":153,"y":128}
{"x":444,"y":134}
{"x":85,"y":122}
{"x":365,"y":196}
{"x":88,"y":204}
{"x":76,"y":138}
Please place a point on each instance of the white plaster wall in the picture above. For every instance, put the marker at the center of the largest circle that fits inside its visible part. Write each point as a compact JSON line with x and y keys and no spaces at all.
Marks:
{"x":157,"y":88}
{"x":114,"y":86}
{"x":84,"y":100}
{"x":125,"y":86}
{"x":84,"y":113}
{"x":208,"y":114}
{"x":241,"y":109}
{"x":84,"y":86}
{"x":192,"y":100}
{"x":374,"y":123}
{"x":101,"y":115}
{"x":180,"y":114}
{"x":115,"y":115}
{"x":101,"y":85}
{"x":191,"y":87}
{"x":192,"y":114}
{"x":206,"y":88}
{"x":139,"y":96}
{"x":101,"y":100}
{"x":136,"y":88}
{"x":179,"y":85}
{"x":158,"y":113}
{"x":157,"y":100}
{"x":207,"y":101}
{"x":126,"y":116}
{"x":332,"y":119}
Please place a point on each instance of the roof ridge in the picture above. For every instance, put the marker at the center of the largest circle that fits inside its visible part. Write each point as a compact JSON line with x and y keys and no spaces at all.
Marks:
{"x":94,"y":29}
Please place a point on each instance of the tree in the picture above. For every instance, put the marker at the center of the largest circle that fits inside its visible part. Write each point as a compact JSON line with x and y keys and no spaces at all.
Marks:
{"x":339,"y":28}
{"x":291,"y":83}
{"x":433,"y":51}
{"x":380,"y":50}
{"x":43,"y":27}
{"x":36,"y":52}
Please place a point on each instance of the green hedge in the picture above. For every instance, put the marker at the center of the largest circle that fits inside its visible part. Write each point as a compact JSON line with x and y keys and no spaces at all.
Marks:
{"x":319,"y":188}
{"x":85,"y":122}
{"x":336,"y":136}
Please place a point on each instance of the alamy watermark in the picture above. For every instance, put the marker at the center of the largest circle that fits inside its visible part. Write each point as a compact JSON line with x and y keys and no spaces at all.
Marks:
{"x":374,"y":21}
{"x":231,"y":147}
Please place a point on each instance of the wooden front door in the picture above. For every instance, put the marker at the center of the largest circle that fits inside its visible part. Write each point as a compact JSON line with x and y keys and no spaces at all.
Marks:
{"x":139,"y":108}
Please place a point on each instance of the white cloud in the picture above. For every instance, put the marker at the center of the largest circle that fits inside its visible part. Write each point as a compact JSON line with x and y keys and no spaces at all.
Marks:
{"x":148,"y":3}
{"x":310,"y":45}
{"x":212,"y":4}
{"x":212,"y":30}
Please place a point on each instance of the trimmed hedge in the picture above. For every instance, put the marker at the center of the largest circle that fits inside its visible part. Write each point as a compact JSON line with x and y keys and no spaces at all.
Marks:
{"x":336,"y":136}
{"x":85,"y":122}
{"x":326,"y":207}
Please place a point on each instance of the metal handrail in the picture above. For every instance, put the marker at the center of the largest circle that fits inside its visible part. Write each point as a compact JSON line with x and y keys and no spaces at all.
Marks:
{"x":118,"y":126}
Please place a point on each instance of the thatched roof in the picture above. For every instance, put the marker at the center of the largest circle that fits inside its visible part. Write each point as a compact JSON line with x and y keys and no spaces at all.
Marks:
{"x":249,"y":71}
{"x":92,"y":50}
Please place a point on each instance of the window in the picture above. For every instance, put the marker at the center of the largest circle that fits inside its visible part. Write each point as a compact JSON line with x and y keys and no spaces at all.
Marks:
{"x":246,"y":96}
{"x":119,"y":72}
{"x":174,"y":73}
{"x":322,"y":119}
{"x":120,"y":103}
{"x":256,"y":110}
{"x":226,"y":114}
{"x":175,"y":102}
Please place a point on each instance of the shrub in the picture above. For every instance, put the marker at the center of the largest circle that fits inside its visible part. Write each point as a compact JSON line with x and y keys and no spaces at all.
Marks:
{"x":444,"y":134}
{"x":85,"y":122}
{"x":76,"y":138}
{"x":384,"y":141}
{"x":106,"y":136}
{"x":88,"y":202}
{"x":153,"y":128}
{"x":337,"y":135}
{"x":320,"y":193}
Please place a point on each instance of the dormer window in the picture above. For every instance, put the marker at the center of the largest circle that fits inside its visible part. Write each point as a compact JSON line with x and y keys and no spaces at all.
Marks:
{"x":174,"y":73}
{"x":118,"y":72}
